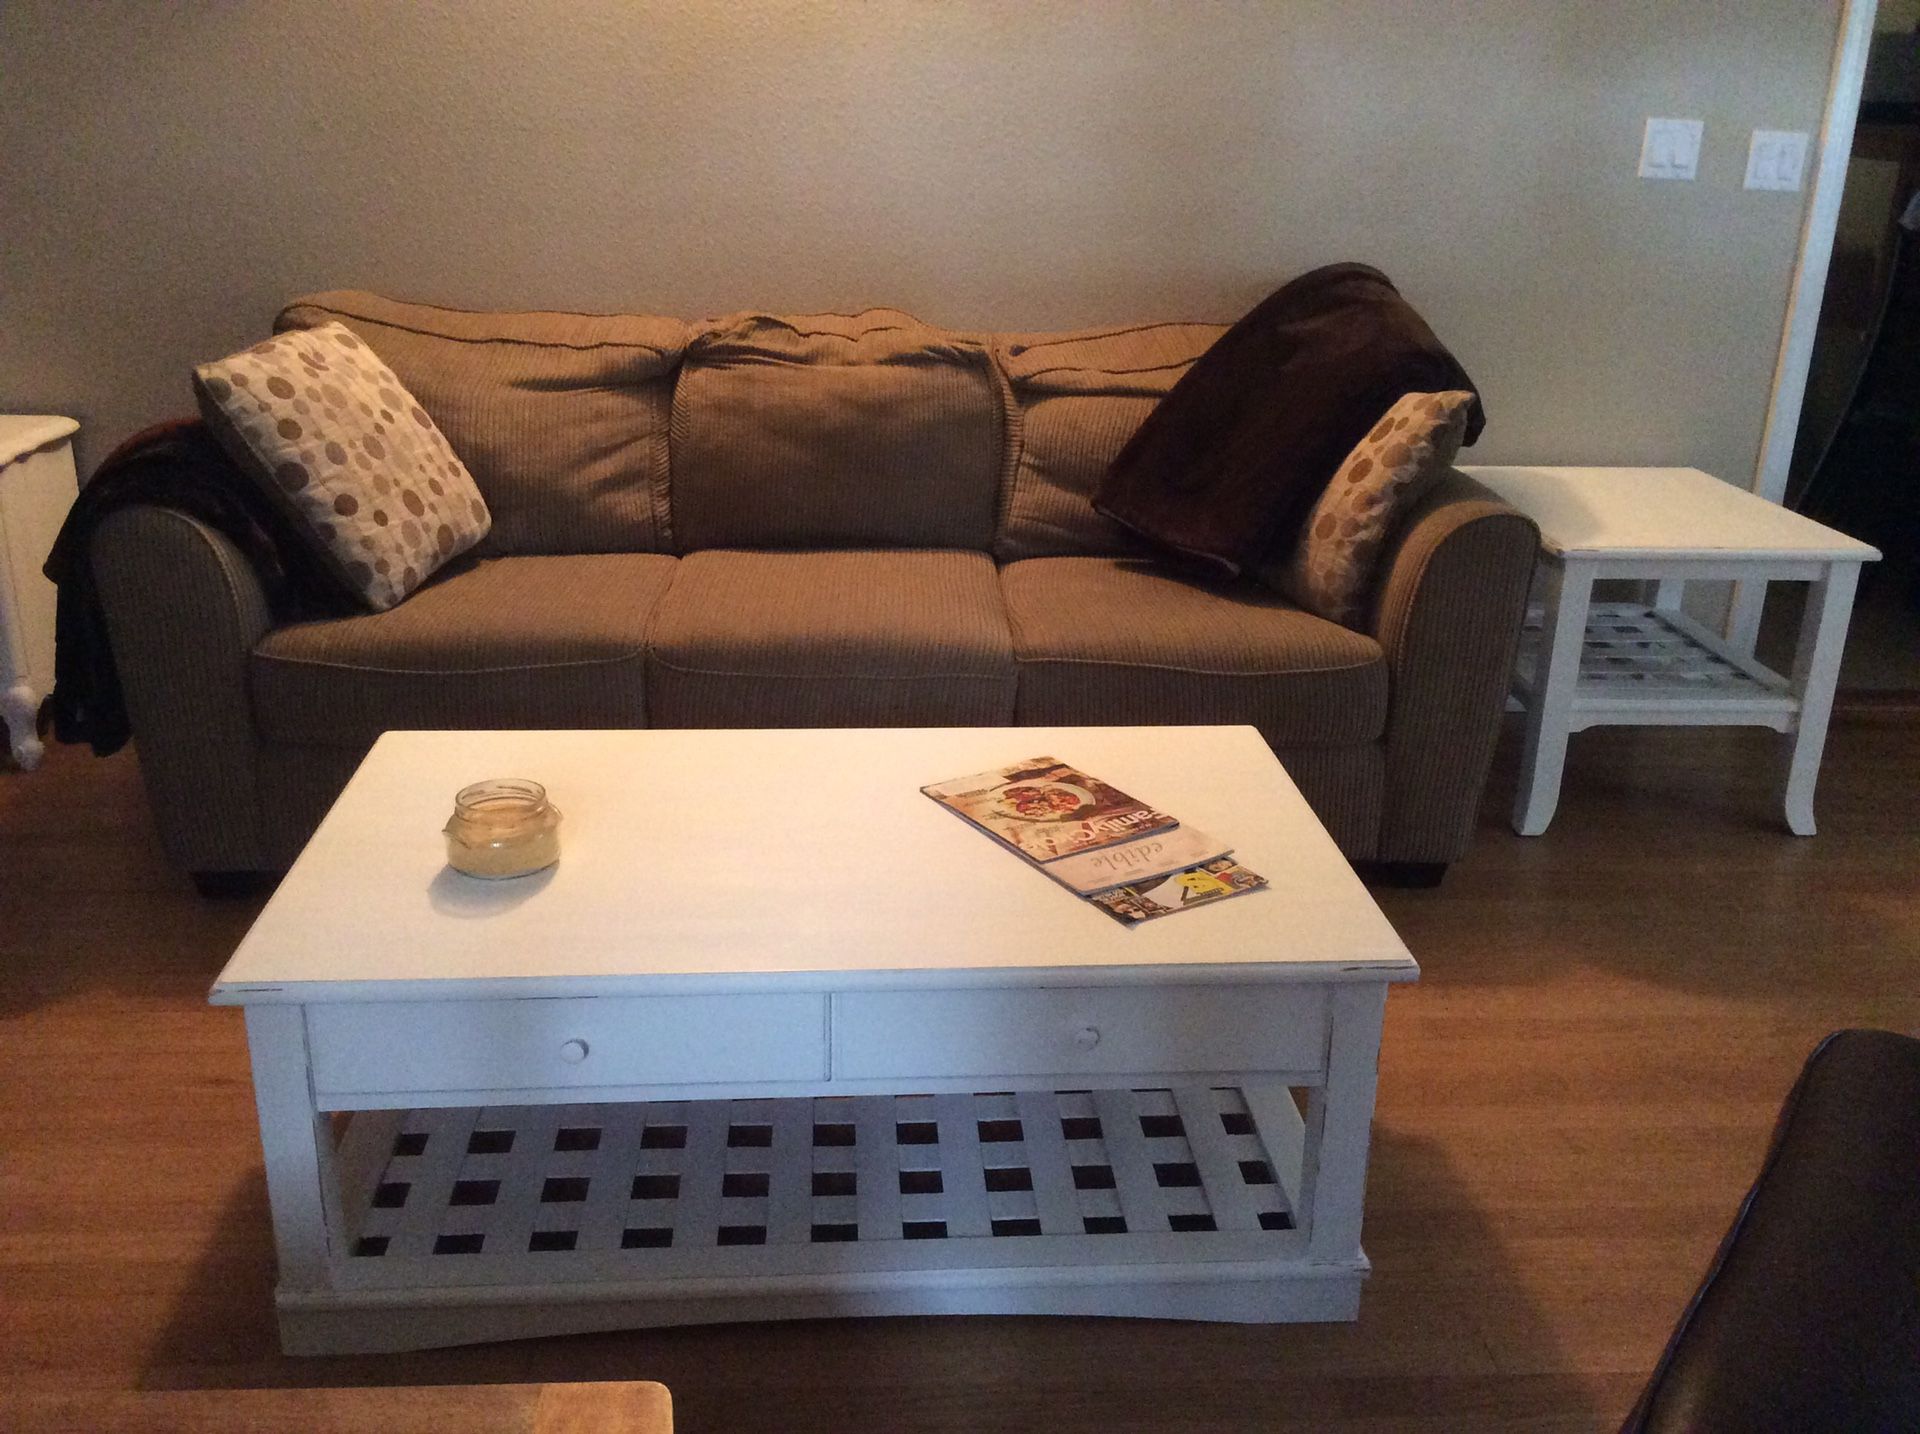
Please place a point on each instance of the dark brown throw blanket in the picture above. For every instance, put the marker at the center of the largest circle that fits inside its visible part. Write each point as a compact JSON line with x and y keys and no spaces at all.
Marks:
{"x":1226,"y":469}
{"x":171,"y":465}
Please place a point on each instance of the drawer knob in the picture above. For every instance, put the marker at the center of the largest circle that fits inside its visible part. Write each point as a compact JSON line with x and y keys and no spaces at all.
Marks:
{"x":573,"y":1052}
{"x":1087,"y":1037}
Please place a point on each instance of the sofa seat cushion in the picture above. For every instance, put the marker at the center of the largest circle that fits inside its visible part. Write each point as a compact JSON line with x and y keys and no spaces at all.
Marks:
{"x":1119,"y":640}
{"x":868,"y":638}
{"x":507,"y":642}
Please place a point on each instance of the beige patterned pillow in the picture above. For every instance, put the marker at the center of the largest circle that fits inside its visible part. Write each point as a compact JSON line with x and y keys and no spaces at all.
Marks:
{"x":342,"y":446}
{"x":1331,"y":571}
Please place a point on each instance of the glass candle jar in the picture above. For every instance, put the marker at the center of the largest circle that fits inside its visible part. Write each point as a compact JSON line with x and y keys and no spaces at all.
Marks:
{"x":501,"y":828}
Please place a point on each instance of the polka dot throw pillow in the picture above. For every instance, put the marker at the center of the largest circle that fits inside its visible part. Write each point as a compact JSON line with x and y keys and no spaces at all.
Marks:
{"x":318,"y":419}
{"x":1332,"y":570}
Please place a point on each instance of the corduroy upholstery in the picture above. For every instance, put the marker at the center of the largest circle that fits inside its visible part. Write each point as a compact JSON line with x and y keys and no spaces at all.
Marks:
{"x":839,"y":489}
{"x":561,"y":418}
{"x":1126,"y":640}
{"x":832,"y":639}
{"x":183,"y":611}
{"x":1075,"y":400}
{"x":297,"y":785}
{"x":1448,"y":619}
{"x":507,"y":642}
{"x":1345,"y":786}
{"x":833,"y":430}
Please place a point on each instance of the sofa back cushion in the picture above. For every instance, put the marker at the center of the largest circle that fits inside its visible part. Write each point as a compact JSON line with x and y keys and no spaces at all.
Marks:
{"x":835,"y":430}
{"x":1076,"y":400}
{"x":561,"y":418}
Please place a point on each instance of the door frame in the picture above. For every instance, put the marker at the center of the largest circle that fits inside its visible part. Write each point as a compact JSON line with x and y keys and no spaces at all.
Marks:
{"x":1808,"y":286}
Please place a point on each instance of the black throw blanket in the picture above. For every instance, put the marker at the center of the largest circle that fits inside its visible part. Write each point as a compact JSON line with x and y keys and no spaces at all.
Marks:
{"x":174,"y":465}
{"x":1228,"y":465}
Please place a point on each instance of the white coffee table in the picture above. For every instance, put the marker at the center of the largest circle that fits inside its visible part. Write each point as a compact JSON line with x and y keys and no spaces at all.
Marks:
{"x":1585,"y":664}
{"x":781,"y":1037}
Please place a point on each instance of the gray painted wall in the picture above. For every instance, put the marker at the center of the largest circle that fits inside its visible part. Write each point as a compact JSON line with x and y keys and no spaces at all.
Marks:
{"x":172,"y":173}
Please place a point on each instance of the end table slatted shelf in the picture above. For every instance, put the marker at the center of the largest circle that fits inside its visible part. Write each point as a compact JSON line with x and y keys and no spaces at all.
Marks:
{"x":1583,"y":664}
{"x":1641,"y":665}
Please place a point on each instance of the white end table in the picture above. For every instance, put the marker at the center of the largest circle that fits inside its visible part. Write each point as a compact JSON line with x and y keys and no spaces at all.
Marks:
{"x":36,"y":489}
{"x":1586,"y":664}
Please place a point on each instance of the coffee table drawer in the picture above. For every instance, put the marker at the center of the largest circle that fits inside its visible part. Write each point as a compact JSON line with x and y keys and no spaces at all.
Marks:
{"x":391,"y":1046}
{"x":1092,"y":1031}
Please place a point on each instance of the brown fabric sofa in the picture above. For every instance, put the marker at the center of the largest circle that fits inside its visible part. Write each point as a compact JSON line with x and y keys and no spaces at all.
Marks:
{"x":804,"y":521}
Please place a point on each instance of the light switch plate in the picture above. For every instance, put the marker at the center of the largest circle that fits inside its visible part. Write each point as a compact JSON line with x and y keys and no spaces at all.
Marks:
{"x":1777,"y":159}
{"x":1671,"y":149}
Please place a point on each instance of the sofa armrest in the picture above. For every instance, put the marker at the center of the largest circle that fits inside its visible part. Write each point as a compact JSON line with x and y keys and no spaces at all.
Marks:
{"x":184,"y":610}
{"x":1448,"y":618}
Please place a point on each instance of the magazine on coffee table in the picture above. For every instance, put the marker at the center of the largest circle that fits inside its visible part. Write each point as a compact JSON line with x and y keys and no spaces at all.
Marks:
{"x":1183,"y":890}
{"x":1045,"y":809}
{"x":1125,"y":856}
{"x":1142,"y":859}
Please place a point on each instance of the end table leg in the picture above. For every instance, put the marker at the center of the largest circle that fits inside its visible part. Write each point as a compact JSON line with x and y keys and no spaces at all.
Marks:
{"x":1550,"y":705}
{"x":19,"y":714}
{"x":1816,"y":672}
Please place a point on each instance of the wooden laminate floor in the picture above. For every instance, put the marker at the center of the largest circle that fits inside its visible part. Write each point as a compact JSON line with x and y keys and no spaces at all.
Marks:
{"x":1571,"y":1103}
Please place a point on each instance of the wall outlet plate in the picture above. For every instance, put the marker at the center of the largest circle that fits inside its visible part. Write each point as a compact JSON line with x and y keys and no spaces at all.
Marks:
{"x":1777,"y":159}
{"x":1671,"y":149}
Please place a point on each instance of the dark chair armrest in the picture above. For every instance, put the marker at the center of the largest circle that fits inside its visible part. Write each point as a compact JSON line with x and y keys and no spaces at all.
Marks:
{"x":1809,"y":1317}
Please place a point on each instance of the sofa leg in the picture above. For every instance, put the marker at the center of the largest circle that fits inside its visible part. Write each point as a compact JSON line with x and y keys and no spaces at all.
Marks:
{"x":232,"y":885}
{"x":1407,"y":875}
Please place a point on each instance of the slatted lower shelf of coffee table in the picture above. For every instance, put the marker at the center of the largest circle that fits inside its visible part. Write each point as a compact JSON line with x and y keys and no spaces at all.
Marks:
{"x":719,"y":1190}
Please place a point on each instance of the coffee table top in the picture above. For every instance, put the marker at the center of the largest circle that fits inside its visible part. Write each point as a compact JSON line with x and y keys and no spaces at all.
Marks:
{"x":788,"y":860}
{"x":1662,"y":513}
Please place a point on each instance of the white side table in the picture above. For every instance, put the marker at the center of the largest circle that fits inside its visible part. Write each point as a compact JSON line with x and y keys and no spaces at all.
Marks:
{"x":1584,"y":664}
{"x":37,"y":487}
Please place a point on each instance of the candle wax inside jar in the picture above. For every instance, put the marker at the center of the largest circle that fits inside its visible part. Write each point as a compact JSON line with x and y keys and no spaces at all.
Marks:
{"x":503,"y":834}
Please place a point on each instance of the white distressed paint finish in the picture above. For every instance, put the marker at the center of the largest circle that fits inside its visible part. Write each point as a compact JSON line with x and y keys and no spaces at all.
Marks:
{"x":1085,"y":1031}
{"x":451,"y":1188}
{"x":1244,"y":1291}
{"x":1345,"y":1106}
{"x":1051,"y":1164}
{"x":369,"y":1047}
{"x":763,"y":860}
{"x":1641,"y":665}
{"x":1816,"y":672}
{"x":484,"y":1053}
{"x":37,"y":486}
{"x":1569,"y":588}
{"x":1675,"y":514}
{"x":296,"y":1144}
{"x":1626,"y":664}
